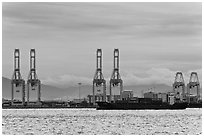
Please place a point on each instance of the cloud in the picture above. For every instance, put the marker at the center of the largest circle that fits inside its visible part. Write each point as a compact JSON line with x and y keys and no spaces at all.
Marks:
{"x":66,"y":81}
{"x":152,"y":76}
{"x":157,"y":38}
{"x":118,"y":19}
{"x":157,"y":76}
{"x":148,"y":77}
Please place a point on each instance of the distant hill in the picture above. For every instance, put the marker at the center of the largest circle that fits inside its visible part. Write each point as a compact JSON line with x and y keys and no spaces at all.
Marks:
{"x":50,"y":92}
{"x":47,"y":92}
{"x":6,"y":87}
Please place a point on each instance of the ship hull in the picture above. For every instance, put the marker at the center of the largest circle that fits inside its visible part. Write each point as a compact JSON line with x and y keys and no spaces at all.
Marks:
{"x":138,"y":106}
{"x":195,"y":105}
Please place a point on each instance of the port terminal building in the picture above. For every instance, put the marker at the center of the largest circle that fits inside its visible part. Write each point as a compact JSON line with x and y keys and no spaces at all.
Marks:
{"x":126,"y":95}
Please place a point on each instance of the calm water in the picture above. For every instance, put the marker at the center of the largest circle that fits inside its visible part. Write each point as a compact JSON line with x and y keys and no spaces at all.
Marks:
{"x":101,"y":122}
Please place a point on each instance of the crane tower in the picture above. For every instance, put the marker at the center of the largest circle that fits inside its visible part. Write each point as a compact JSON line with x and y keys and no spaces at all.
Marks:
{"x":98,"y":80}
{"x":193,"y":84}
{"x":17,"y":83}
{"x":177,"y":85}
{"x":33,"y":81}
{"x":115,"y":79}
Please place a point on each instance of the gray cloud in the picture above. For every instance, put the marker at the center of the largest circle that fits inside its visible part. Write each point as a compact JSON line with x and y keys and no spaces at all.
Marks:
{"x":166,"y":36}
{"x":144,"y":77}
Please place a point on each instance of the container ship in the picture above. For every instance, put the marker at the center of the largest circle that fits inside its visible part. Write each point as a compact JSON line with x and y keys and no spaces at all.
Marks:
{"x":140,"y":104}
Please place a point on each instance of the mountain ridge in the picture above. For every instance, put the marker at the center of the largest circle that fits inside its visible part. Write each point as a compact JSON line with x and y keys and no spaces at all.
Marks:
{"x":49,"y":92}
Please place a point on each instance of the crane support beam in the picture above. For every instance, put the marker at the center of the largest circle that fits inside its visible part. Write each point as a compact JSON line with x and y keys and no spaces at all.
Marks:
{"x":115,"y":79}
{"x":98,"y":80}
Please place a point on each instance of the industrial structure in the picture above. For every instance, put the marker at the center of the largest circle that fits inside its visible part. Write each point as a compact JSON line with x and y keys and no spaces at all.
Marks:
{"x":178,"y":96}
{"x":17,"y":83}
{"x":179,"y":87}
{"x":127,"y":94}
{"x":33,"y":82}
{"x":115,"y":79}
{"x":193,"y":84}
{"x":151,"y":95}
{"x":98,"y":80}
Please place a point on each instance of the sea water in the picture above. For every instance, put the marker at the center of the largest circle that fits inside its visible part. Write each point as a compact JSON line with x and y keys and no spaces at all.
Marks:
{"x":101,"y":122}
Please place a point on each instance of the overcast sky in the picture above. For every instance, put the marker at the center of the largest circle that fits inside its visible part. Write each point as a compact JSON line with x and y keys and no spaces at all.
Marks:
{"x":155,"y":40}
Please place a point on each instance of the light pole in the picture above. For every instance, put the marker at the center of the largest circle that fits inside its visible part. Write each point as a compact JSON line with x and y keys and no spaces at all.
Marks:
{"x":79,"y":91}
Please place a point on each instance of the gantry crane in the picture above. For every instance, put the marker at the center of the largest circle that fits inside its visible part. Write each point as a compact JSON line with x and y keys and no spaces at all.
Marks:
{"x":33,"y":81}
{"x":17,"y":81}
{"x":193,"y":84}
{"x":115,"y":79}
{"x":98,"y":80}
{"x":179,"y":83}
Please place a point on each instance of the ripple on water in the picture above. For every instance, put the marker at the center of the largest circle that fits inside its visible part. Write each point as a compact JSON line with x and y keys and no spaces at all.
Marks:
{"x":94,"y":122}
